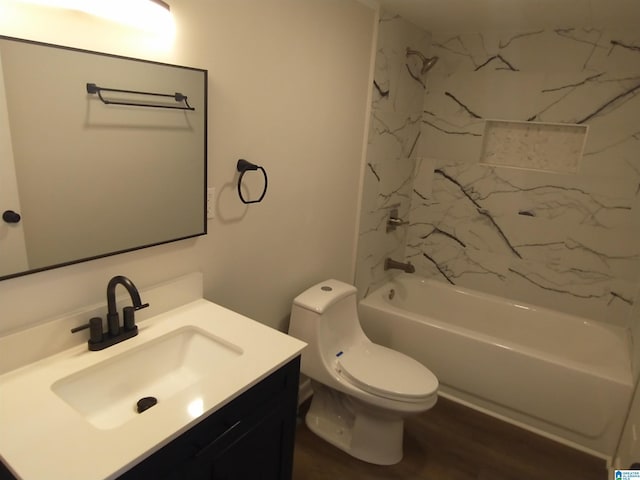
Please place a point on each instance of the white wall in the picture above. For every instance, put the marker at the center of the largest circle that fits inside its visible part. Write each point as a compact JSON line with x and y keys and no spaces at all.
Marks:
{"x":288,"y":86}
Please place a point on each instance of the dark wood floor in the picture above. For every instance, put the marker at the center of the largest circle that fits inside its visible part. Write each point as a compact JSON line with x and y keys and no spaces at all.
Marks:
{"x":452,"y":442}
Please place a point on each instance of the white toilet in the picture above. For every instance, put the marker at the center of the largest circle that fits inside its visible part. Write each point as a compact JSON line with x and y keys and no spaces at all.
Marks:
{"x":362,"y":391}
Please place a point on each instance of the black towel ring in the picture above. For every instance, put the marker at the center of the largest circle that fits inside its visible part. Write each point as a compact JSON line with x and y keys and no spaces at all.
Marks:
{"x":243,"y":166}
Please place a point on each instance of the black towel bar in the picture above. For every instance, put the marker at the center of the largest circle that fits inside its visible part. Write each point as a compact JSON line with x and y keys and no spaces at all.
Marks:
{"x":177,"y":96}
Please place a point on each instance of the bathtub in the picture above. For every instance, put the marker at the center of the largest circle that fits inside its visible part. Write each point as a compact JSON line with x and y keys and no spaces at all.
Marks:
{"x":558,"y":375}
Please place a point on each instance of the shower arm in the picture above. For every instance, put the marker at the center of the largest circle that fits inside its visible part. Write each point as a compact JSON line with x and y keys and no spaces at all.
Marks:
{"x":427,"y":62}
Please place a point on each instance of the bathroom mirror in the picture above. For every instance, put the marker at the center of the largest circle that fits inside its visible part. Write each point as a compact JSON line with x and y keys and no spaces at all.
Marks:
{"x":99,"y":154}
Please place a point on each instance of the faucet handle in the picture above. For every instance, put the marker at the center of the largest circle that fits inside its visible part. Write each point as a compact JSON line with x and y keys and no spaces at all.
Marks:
{"x":394,"y":221}
{"x":95,"y":329}
{"x":128,"y":317}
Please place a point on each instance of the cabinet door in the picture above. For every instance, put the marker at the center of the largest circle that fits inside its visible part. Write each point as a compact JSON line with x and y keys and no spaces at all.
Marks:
{"x":5,"y":474}
{"x":262,"y":453}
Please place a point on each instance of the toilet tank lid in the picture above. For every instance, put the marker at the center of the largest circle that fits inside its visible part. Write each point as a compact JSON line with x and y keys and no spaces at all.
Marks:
{"x":323,"y":295}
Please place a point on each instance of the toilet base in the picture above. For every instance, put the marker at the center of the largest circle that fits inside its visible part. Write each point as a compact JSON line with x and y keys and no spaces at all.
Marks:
{"x":363,"y":431}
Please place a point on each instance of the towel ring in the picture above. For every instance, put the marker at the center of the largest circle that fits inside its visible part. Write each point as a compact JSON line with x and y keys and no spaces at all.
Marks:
{"x":243,"y":167}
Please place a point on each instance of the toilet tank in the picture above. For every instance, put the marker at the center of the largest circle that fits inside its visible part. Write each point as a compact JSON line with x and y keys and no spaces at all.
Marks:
{"x":326,"y":317}
{"x":324,"y":295}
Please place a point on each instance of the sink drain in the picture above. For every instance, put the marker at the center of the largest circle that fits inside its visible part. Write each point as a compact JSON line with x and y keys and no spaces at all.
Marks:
{"x":145,"y":403}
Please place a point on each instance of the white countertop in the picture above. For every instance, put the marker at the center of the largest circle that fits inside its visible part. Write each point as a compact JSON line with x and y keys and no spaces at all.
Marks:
{"x":43,"y":437}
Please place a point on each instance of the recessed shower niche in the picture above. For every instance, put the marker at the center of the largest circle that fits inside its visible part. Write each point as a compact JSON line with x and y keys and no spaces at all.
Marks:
{"x":553,"y":147}
{"x":103,"y":154}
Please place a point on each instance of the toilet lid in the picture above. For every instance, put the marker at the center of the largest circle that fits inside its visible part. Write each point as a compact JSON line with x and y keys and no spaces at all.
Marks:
{"x":387,"y":373}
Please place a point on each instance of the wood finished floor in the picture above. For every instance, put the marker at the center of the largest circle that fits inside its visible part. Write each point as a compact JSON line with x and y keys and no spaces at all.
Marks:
{"x":451,"y":442}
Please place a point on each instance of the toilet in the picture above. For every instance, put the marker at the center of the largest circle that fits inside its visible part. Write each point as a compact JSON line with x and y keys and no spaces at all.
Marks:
{"x":362,"y":391}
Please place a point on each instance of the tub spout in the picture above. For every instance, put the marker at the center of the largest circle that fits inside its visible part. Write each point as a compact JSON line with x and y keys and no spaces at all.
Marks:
{"x":391,"y":264}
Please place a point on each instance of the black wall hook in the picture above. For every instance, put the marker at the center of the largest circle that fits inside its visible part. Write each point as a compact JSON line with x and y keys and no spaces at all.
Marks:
{"x":243,"y":166}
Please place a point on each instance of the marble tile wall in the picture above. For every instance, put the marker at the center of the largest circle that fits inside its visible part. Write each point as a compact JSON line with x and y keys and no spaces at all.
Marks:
{"x":394,"y":145}
{"x":568,"y":241}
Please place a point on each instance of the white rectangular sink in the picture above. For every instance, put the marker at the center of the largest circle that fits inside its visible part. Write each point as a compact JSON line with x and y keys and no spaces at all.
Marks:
{"x":106,"y":394}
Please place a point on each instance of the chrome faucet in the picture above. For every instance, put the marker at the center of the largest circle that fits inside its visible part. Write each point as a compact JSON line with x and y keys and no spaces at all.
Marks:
{"x":98,"y":338}
{"x":392,"y":264}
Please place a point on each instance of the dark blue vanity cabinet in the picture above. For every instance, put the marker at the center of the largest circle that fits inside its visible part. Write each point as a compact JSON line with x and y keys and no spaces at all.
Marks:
{"x":250,"y":438}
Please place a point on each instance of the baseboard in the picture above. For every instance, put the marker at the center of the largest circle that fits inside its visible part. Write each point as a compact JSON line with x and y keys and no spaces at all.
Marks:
{"x":304,"y":390}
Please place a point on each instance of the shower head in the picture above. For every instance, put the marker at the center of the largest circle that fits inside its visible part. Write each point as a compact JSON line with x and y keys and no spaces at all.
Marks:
{"x":427,"y":62}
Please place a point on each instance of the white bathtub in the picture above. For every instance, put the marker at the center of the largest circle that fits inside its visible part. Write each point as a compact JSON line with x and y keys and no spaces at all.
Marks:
{"x":556,"y":374}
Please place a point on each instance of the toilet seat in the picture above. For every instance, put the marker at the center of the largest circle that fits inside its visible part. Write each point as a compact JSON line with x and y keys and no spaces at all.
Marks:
{"x":386,"y":373}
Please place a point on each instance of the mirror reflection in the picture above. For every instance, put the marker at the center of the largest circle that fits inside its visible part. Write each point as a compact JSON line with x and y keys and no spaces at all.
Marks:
{"x":92,"y":173}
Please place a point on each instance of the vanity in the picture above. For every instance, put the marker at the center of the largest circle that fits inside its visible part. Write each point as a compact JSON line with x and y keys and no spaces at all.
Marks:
{"x":224,"y":388}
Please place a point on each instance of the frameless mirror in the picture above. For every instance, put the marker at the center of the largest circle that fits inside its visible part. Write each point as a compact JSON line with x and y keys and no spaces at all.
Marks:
{"x":99,"y":154}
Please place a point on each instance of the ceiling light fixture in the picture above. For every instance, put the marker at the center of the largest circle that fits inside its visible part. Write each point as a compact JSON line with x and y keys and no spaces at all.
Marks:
{"x":150,"y":15}
{"x":162,"y":4}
